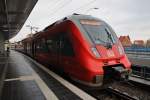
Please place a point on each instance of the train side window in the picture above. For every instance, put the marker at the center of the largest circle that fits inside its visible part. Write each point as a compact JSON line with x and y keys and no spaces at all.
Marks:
{"x":37,"y":47}
{"x":52,"y":45}
{"x":66,"y":45}
{"x":49,"y":44}
{"x":28,"y":47}
{"x":41,"y":46}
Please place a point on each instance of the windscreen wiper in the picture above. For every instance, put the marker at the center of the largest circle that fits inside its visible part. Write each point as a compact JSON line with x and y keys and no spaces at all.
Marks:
{"x":109,"y":35}
{"x":109,"y":44}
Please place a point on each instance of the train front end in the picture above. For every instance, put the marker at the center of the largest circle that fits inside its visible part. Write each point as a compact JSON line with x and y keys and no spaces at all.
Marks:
{"x":107,"y":59}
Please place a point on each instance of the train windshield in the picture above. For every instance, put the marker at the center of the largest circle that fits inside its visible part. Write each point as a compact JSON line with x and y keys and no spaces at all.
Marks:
{"x":98,"y":32}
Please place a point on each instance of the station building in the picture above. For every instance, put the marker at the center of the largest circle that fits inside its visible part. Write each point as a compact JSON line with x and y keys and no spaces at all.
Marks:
{"x":125,"y":40}
{"x":148,"y":43}
{"x":139,"y":43}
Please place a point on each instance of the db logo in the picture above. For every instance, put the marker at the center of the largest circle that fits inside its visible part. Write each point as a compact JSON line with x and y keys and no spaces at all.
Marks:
{"x":110,"y":53}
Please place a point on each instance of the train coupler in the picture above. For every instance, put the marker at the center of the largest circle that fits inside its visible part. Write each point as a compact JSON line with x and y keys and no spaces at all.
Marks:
{"x":121,"y":73}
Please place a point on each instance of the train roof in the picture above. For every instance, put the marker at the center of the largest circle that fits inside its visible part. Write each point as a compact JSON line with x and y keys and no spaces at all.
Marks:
{"x":81,"y":16}
{"x":75,"y":18}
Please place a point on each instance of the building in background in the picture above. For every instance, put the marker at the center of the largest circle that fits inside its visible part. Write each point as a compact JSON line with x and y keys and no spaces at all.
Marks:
{"x":125,"y":40}
{"x":139,"y":43}
{"x":148,"y":43}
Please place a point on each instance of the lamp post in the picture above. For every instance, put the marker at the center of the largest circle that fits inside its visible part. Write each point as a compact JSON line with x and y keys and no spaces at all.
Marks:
{"x":32,"y":28}
{"x":95,"y":8}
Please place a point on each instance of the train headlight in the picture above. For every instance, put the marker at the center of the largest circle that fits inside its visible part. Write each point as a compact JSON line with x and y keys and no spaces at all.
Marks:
{"x":95,"y":52}
{"x":121,"y":51}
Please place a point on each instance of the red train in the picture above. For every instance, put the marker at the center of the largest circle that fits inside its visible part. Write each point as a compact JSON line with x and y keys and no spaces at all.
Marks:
{"x":83,"y":47}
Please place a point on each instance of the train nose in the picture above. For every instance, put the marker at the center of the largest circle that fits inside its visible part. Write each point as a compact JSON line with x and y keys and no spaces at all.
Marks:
{"x":106,"y":53}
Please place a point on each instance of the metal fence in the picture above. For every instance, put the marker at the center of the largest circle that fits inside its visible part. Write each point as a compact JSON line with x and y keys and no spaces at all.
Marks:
{"x":141,"y":71}
{"x":137,"y":49}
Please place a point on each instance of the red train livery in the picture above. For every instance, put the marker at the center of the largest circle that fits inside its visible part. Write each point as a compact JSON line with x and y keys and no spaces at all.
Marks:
{"x":84,"y":47}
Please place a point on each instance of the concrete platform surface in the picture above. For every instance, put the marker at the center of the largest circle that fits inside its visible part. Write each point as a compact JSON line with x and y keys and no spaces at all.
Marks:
{"x":22,"y":78}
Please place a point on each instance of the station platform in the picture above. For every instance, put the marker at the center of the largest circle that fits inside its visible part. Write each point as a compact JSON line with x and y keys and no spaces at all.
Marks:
{"x":22,"y":78}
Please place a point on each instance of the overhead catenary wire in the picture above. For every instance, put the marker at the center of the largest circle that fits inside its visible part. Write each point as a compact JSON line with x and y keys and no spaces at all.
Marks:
{"x":83,"y":6}
{"x":79,"y":8}
{"x":66,"y":3}
{"x":57,"y":3}
{"x":54,"y":12}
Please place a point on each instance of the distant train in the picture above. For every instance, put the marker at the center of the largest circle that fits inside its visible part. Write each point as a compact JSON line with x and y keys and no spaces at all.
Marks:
{"x":83,"y":47}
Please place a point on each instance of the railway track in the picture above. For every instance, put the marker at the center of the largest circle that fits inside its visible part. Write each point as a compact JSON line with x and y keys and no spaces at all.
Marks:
{"x":122,"y":91}
{"x":121,"y":95}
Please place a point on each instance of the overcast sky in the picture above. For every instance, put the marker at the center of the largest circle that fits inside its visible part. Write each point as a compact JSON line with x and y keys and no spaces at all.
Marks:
{"x":126,"y":17}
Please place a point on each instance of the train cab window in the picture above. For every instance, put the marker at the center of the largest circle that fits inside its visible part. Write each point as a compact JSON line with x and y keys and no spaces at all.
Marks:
{"x":99,"y":32}
{"x":66,"y":46}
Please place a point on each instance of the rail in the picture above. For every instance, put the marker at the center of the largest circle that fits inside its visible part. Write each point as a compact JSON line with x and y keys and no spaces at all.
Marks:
{"x":122,"y":95}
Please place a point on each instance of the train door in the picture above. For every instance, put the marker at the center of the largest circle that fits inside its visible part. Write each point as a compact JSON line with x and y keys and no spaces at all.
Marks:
{"x":25,"y":47}
{"x":53,"y":49}
{"x":28,"y":48}
{"x":66,"y":53}
{"x":58,"y":44}
{"x":41,"y":51}
{"x":33,"y":48}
